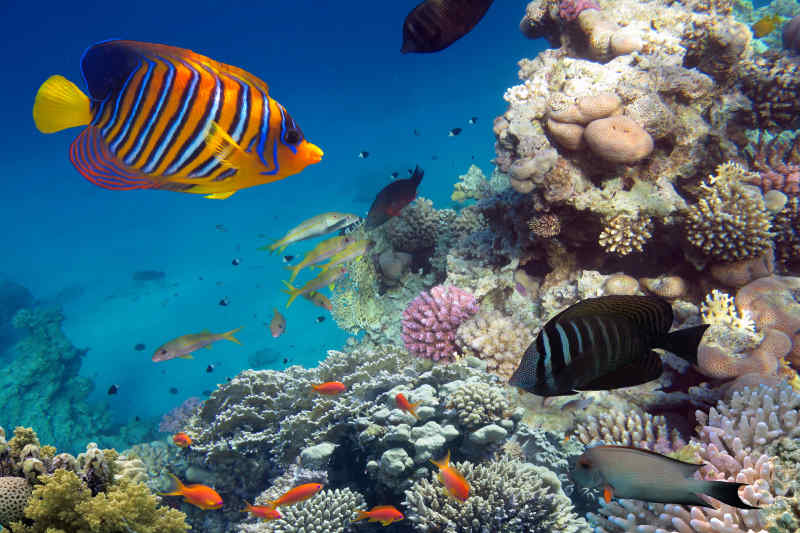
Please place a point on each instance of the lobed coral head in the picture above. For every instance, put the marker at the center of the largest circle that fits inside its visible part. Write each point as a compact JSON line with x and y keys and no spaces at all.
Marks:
{"x":431,"y":319}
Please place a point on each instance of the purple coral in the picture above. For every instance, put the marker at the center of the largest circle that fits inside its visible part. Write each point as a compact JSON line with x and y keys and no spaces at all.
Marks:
{"x":570,"y":9}
{"x":175,"y":420}
{"x":778,"y":164}
{"x":431,"y":319}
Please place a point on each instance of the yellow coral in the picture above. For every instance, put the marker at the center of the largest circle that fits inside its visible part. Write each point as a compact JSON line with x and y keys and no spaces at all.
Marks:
{"x":354,"y":304}
{"x":718,"y":309}
{"x":624,"y":234}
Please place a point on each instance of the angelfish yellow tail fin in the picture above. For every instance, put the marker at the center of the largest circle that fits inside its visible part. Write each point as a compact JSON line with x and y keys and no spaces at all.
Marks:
{"x":59,"y":105}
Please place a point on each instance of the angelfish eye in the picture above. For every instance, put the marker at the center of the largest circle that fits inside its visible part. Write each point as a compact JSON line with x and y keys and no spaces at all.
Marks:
{"x":293,"y":136}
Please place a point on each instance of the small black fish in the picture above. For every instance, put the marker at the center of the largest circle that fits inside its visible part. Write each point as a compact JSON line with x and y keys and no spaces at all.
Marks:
{"x":416,"y":133}
{"x":137,"y":418}
{"x":395,"y":174}
{"x":235,"y":262}
{"x":224,"y":302}
{"x":436,"y":24}
{"x":454,"y":132}
{"x":139,"y":347}
{"x":210,"y":368}
{"x":228,"y":378}
{"x":200,"y":278}
{"x":363,"y":155}
{"x":173,"y":390}
{"x":473,"y":120}
{"x":285,"y":360}
{"x":206,"y":392}
{"x":113,"y":389}
{"x":320,"y":319}
{"x":221,"y":227}
{"x":604,"y":343}
{"x":288,"y":258}
{"x":392,"y":199}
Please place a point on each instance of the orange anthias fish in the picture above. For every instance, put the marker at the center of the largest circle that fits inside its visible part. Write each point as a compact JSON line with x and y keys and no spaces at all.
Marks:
{"x":184,"y":345}
{"x":385,"y":514}
{"x":265,"y":512}
{"x":278,"y":324}
{"x":405,"y":405}
{"x":297,"y":494}
{"x":453,"y":481}
{"x":182,"y":439}
{"x":162,"y":117}
{"x":392,"y":199}
{"x":330,"y":388}
{"x":198,"y":495}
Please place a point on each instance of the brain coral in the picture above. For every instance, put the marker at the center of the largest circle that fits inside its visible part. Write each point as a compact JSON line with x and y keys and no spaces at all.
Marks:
{"x":729,"y":222}
{"x":14,"y":495}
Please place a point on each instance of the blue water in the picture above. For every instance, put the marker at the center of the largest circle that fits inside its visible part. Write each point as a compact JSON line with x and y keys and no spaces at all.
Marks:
{"x":336,"y":67}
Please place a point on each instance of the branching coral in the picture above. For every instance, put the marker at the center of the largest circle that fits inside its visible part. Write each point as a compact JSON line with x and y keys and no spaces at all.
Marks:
{"x":329,"y":511}
{"x":623,"y":234}
{"x":493,"y":337}
{"x":638,"y":429}
{"x":771,"y":82}
{"x":545,"y":226}
{"x":778,"y":164}
{"x":728,"y":222}
{"x":478,"y":404}
{"x":505,"y":495}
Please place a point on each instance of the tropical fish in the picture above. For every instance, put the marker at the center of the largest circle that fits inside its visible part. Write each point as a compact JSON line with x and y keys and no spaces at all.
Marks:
{"x":297,"y":494}
{"x":320,"y":319}
{"x":436,"y":24}
{"x":330,"y":388}
{"x":318,"y":299}
{"x":184,"y":346}
{"x":392,"y":199}
{"x":454,"y":483}
{"x":277,"y":325}
{"x":454,"y":132}
{"x":161,"y":117}
{"x":363,"y":155}
{"x":385,"y":514}
{"x":198,"y":495}
{"x":473,"y":121}
{"x":182,"y":440}
{"x":603,"y":343}
{"x":405,"y":405}
{"x":264,"y":512}
{"x":352,"y":251}
{"x":766,"y":25}
{"x":113,"y":389}
{"x":326,"y":277}
{"x":321,"y":252}
{"x":633,"y":473}
{"x":313,"y":227}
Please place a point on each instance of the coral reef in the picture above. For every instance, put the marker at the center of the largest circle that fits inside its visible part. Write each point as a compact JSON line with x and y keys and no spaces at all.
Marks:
{"x":505,"y":495}
{"x":176,"y":418}
{"x":493,"y":337}
{"x":329,"y":511}
{"x":431,"y":320}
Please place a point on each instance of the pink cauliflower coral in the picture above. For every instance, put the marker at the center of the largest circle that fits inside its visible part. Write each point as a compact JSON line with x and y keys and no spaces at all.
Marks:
{"x":570,"y":9}
{"x":431,"y":319}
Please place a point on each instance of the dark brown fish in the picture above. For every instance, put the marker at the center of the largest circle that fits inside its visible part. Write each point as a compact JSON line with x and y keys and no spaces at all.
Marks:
{"x":392,"y":199}
{"x":436,"y":24}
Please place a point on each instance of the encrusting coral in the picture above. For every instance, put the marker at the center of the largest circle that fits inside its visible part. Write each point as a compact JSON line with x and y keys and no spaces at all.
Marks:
{"x":505,"y":495}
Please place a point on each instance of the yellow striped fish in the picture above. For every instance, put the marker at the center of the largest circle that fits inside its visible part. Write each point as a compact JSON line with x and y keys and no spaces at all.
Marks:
{"x":161,"y":117}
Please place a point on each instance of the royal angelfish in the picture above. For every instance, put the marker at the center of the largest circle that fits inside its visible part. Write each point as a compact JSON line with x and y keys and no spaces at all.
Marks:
{"x":315,"y":226}
{"x":603,"y":343}
{"x":161,"y":117}
{"x":633,"y":473}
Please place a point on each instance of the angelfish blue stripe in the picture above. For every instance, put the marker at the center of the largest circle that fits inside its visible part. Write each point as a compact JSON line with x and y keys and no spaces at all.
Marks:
{"x":121,"y":93}
{"x":578,"y":335}
{"x":99,"y":113}
{"x":564,"y":344}
{"x":155,"y":158}
{"x":202,"y":132}
{"x":123,"y":132}
{"x":238,"y":130}
{"x":264,"y":127}
{"x":548,"y":363}
{"x":165,"y":88}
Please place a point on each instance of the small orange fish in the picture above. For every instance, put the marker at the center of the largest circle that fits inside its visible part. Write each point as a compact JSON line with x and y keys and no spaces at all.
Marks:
{"x":278,"y":324}
{"x":385,"y":514}
{"x":330,"y":388}
{"x":405,"y":405}
{"x":297,"y":494}
{"x":198,"y":495}
{"x":182,"y":439}
{"x":264,"y":512}
{"x":766,"y":25}
{"x":453,"y":481}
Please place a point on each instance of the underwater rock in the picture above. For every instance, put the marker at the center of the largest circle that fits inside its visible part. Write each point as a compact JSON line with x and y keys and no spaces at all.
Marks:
{"x":316,"y":457}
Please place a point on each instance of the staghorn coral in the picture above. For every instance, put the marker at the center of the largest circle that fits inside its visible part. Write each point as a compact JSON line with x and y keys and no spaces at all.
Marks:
{"x":493,"y":337}
{"x":624,"y":234}
{"x":478,"y":404}
{"x":505,"y":495}
{"x":729,"y":222}
{"x":636,"y":428}
{"x":431,"y":320}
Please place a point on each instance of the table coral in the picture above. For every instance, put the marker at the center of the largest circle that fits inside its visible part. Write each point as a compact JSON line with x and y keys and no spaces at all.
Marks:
{"x":505,"y":495}
{"x":431,"y":320}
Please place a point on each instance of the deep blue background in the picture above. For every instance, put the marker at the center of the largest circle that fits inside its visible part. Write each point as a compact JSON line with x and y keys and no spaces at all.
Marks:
{"x":335,"y":66}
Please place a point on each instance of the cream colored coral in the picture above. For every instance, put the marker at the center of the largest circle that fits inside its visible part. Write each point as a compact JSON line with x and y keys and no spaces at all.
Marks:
{"x":498,"y":339}
{"x":477,"y":404}
{"x":718,"y":309}
{"x":624,"y":234}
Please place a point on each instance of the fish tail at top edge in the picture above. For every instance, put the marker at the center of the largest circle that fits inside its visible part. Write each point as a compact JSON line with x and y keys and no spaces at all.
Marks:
{"x":727,"y":492}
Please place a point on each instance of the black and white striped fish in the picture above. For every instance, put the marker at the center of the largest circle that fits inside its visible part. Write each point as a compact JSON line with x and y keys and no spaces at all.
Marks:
{"x":603,"y":343}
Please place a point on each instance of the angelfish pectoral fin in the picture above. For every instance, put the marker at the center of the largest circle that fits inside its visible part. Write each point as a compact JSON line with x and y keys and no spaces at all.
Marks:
{"x":608,"y":493}
{"x":226,"y":150}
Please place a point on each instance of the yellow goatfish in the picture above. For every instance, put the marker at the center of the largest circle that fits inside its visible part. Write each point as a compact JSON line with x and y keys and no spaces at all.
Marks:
{"x":321,"y":252}
{"x":352,"y":251}
{"x":324,"y":279}
{"x":637,"y":474}
{"x":184,"y":345}
{"x":313,"y":227}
